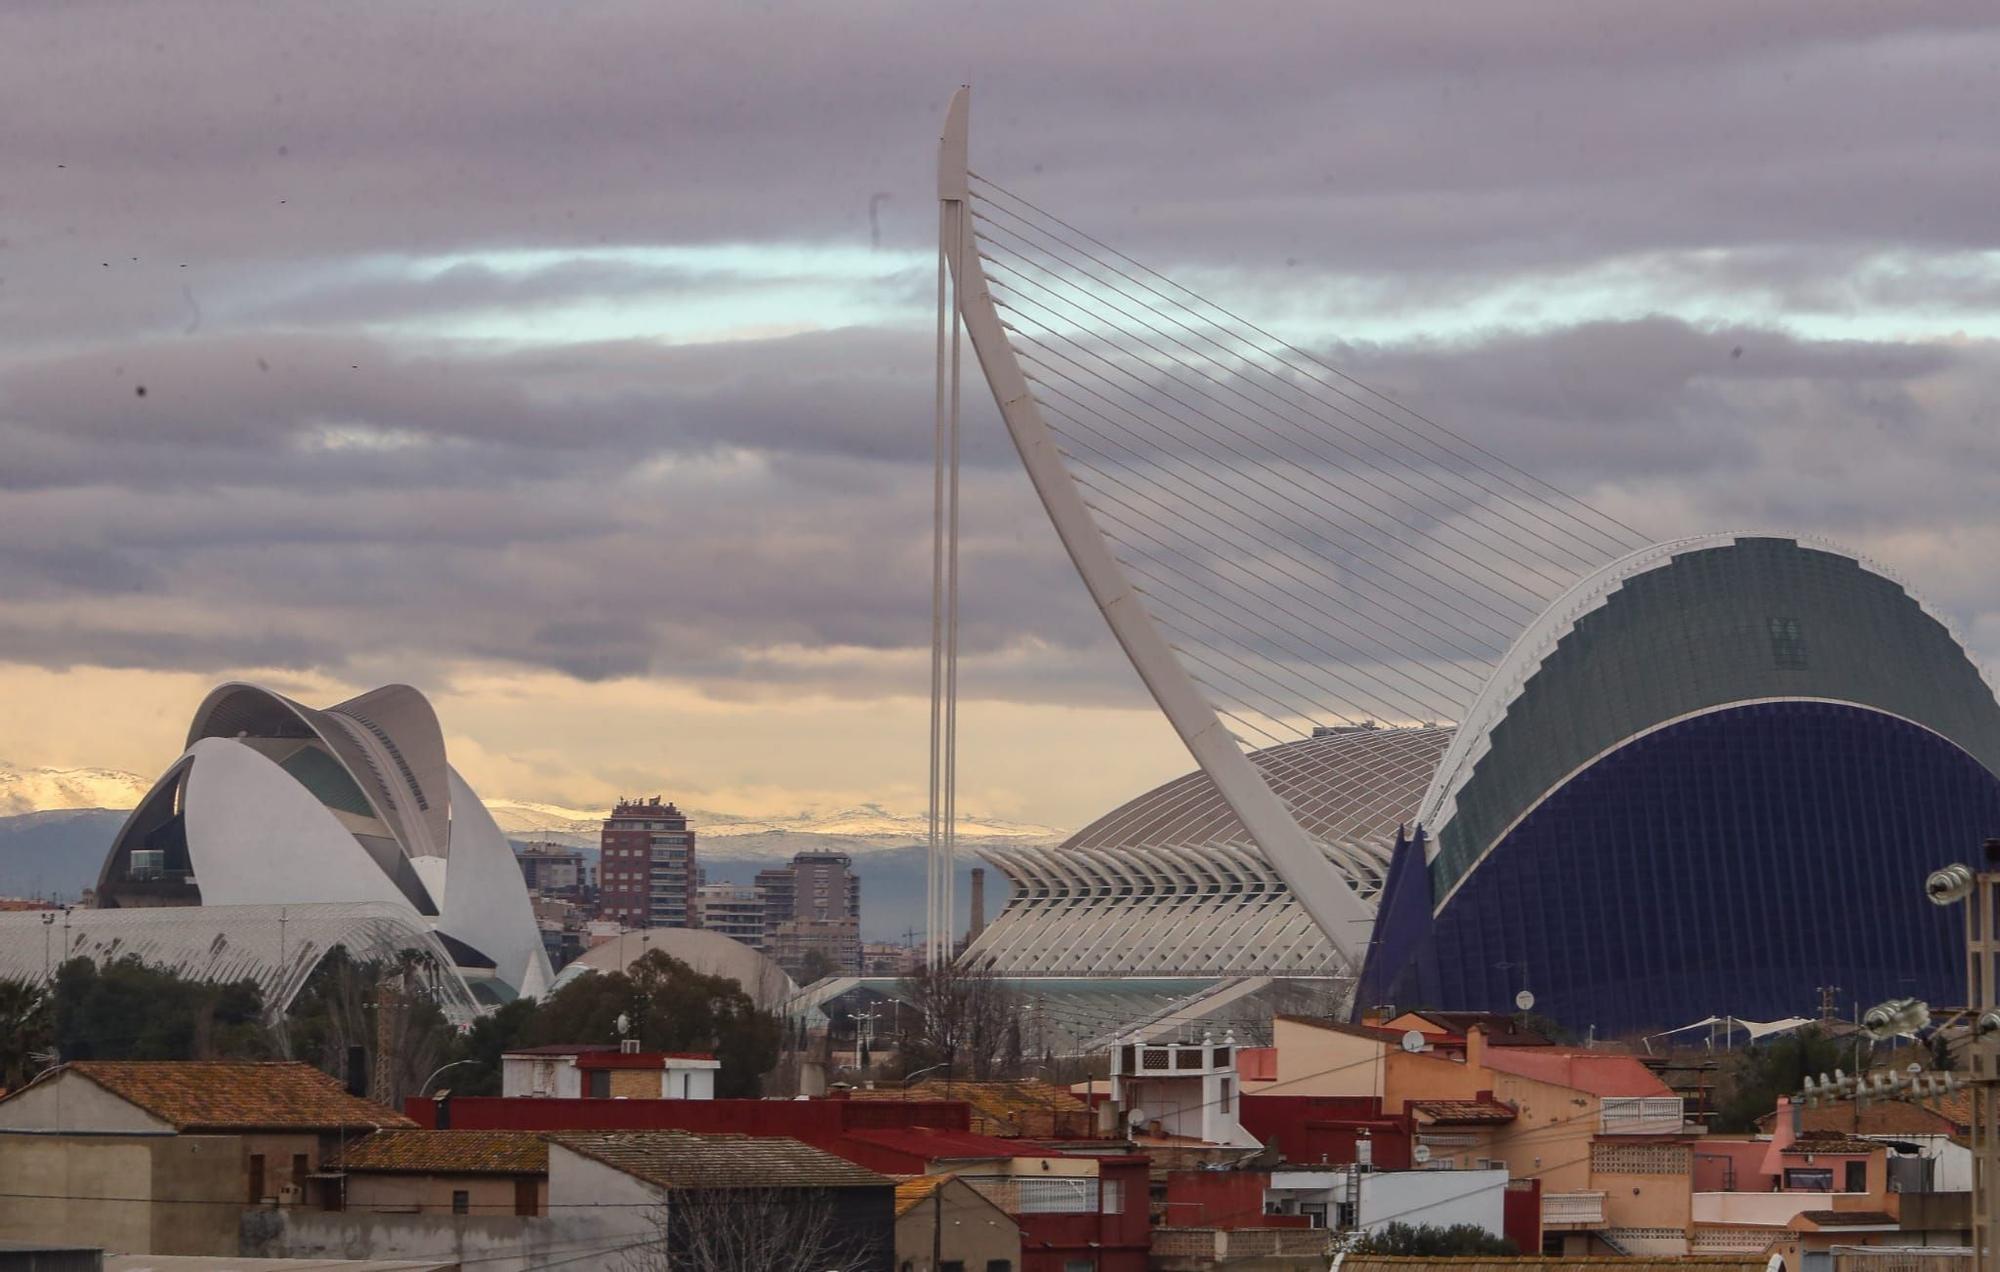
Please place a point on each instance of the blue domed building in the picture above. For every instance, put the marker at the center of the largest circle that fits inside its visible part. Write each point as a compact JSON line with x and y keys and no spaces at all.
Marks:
{"x":1707,"y":780}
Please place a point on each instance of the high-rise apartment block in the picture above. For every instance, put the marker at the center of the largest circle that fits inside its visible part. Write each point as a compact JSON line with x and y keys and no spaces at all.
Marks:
{"x":734,"y":909}
{"x":813,"y":908}
{"x":554,"y":870}
{"x":824,"y":886}
{"x":647,"y":874}
{"x":775,"y":887}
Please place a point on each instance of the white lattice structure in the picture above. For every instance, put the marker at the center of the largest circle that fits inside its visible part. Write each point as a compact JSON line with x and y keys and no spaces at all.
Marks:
{"x":1170,"y":884}
{"x":277,"y":947}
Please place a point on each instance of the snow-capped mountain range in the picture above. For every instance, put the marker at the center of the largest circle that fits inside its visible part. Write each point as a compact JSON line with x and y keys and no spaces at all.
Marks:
{"x":41,"y":790}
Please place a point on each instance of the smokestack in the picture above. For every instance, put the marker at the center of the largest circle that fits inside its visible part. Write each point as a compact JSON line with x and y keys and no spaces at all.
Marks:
{"x":978,"y":921}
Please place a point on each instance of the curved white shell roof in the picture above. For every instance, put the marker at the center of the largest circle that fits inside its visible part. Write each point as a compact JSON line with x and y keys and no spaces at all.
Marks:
{"x":276,"y":804}
{"x":710,"y":953}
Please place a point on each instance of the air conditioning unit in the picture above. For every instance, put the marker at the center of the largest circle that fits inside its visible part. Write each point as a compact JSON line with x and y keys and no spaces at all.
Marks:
{"x":291,"y":1195}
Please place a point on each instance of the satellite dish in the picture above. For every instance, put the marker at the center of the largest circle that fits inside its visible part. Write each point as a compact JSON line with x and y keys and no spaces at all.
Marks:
{"x":1421,"y":1153}
{"x":1524,"y":1001}
{"x":1413,"y":1040}
{"x":1137,"y":1117}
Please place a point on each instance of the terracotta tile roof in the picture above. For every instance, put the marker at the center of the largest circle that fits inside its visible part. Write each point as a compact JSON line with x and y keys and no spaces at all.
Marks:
{"x":236,"y":1095}
{"x":1829,"y":1142}
{"x":1462,"y":1112}
{"x":1582,"y":1071}
{"x":1957,"y":1107}
{"x":1881,"y":1117}
{"x":449,"y":1153}
{"x":1029,"y":1109}
{"x":916,"y":1190}
{"x":676,"y":1159}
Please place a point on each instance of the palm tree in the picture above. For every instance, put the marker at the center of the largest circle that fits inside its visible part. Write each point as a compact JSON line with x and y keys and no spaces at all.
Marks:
{"x":27,"y":1029}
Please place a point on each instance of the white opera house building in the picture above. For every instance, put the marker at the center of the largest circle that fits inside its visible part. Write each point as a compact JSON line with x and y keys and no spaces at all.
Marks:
{"x":283,"y":832}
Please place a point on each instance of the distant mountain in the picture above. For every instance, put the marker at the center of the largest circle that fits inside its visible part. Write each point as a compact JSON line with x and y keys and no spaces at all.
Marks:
{"x":40,"y":790}
{"x":56,"y":853}
{"x":56,"y":825}
{"x":727,"y":836}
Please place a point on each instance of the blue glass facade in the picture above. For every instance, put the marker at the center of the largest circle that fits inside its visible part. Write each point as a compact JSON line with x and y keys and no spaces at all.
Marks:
{"x":1726,"y":864}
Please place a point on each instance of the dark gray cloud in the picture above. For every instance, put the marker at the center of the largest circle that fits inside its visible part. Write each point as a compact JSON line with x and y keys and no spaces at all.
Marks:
{"x":330,"y":461}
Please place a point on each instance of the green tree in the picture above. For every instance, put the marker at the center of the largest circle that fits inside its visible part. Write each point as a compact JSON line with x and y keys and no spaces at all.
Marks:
{"x":126,"y":1010}
{"x":27,"y":1027}
{"x":667,"y":1006}
{"x":491,"y":1036}
{"x":1751,"y":1080}
{"x":1432,"y":1242}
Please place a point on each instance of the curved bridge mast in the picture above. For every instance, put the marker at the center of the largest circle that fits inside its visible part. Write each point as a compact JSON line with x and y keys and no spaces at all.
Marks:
{"x":1345,"y":918}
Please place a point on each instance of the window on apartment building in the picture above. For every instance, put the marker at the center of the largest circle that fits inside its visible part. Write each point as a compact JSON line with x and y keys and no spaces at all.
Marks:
{"x":255,"y":1192}
{"x":300,"y":1169}
{"x":1800,"y":1179}
{"x":1112,"y":1194}
{"x":461,"y":1202}
{"x":524,"y":1197}
{"x":1856,"y":1177}
{"x":1079,"y":1265}
{"x":999,"y":1265}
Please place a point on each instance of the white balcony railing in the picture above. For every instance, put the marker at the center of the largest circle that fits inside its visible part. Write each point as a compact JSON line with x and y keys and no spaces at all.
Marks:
{"x":1643,"y":1115}
{"x":1038,"y":1195}
{"x":1573,"y":1209}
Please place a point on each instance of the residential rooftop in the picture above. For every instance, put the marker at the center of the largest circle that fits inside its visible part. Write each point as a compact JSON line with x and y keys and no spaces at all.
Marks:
{"x":676,"y":1159}
{"x":236,"y":1095}
{"x":448,"y":1153}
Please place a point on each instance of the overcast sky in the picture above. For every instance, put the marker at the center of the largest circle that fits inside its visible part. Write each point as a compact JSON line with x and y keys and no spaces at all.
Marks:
{"x":573,"y":362}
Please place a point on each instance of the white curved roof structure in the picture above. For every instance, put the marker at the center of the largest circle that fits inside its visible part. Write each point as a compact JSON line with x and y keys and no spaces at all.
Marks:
{"x":1170,"y":884}
{"x":710,"y":953}
{"x":277,"y":808}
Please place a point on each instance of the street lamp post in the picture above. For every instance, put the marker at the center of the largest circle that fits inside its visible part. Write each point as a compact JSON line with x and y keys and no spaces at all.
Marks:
{"x":912,"y":1077}
{"x":426,"y":1087}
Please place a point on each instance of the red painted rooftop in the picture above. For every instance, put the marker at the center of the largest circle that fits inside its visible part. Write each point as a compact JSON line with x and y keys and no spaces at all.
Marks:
{"x":933,"y":1144}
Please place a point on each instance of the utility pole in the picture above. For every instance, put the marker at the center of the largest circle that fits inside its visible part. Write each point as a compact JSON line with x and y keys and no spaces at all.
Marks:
{"x":1905,"y":1017}
{"x":1982,"y":962}
{"x":937,"y":1228}
{"x":388,"y":1003}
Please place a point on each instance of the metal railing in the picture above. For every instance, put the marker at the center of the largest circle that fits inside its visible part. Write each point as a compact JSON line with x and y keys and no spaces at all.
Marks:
{"x":1643,"y":1115}
{"x":1051,"y":1195}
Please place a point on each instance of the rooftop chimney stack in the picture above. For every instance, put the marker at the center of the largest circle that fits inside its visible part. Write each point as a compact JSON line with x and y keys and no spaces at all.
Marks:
{"x":978,"y":921}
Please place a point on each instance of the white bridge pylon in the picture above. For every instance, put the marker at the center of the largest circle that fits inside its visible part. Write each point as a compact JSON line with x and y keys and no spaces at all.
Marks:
{"x":1345,"y":918}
